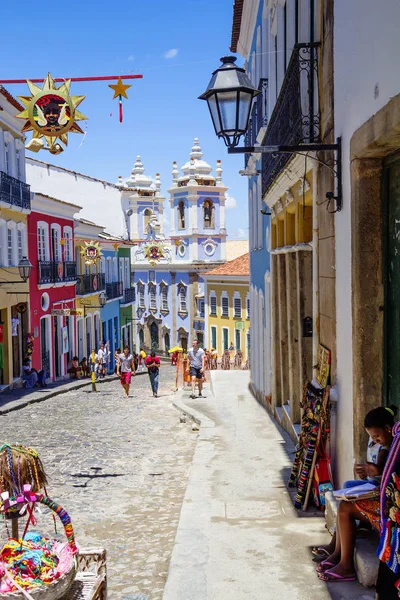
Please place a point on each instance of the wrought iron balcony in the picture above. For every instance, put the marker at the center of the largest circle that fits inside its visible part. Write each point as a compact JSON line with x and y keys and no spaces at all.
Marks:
{"x":258,"y":117}
{"x":295,"y":118}
{"x":90,"y":284}
{"x":56,"y":272}
{"x":129,"y":296}
{"x":114,"y":290}
{"x":15,"y":192}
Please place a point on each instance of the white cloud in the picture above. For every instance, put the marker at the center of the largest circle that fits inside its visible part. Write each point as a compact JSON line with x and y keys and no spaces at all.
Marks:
{"x":230,"y":202}
{"x":171,"y":53}
{"x":131,"y":57}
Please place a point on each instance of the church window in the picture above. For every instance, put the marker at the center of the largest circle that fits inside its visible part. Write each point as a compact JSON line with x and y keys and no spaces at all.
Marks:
{"x":140,"y":291}
{"x":181,"y":215}
{"x":153,"y":297}
{"x":182,"y":300}
{"x":208,"y":214}
{"x":148,"y":213}
{"x":164,"y":298}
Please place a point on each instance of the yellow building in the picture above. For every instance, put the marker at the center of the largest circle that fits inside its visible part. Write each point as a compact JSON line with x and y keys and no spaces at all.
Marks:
{"x":15,"y":205}
{"x":227,"y":307}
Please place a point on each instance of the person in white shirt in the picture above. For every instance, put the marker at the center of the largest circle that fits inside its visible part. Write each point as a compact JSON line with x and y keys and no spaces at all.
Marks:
{"x":197,"y":359}
{"x":125,"y":369}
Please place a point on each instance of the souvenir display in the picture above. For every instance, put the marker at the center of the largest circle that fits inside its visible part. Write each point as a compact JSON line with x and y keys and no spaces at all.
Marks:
{"x":31,"y":565}
{"x":311,"y":448}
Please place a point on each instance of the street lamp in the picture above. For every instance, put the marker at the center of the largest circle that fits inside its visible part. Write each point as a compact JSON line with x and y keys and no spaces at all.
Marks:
{"x":229,"y":97}
{"x":102,"y":300}
{"x":24,"y":268}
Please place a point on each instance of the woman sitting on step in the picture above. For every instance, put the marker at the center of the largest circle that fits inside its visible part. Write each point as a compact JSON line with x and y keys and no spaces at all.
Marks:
{"x":339,"y":565}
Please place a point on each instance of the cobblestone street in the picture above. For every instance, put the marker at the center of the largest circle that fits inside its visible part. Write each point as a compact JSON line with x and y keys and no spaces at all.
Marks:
{"x":120,"y":467}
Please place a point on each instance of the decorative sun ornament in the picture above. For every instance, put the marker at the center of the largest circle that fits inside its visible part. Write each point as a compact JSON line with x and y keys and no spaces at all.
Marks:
{"x":155,"y":252}
{"x":50,"y":113}
{"x":91,"y":252}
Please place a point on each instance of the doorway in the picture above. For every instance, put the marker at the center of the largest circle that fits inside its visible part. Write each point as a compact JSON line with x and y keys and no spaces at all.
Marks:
{"x":45,"y":346}
{"x":392,"y":282}
{"x":79,"y":329}
{"x":200,"y":338}
{"x":166,"y":342}
{"x":154,"y":336}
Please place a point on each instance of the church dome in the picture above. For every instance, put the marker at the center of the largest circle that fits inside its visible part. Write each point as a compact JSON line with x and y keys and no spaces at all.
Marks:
{"x":138,"y":180}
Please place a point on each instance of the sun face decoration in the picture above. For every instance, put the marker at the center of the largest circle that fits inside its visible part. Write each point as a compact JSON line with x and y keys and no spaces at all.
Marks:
{"x":154,"y":252}
{"x":50,"y":113}
{"x":91,"y":252}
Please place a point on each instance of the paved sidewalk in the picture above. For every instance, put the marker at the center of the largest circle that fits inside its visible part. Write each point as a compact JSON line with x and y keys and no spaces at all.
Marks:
{"x":239,"y":536}
{"x":17,"y":398}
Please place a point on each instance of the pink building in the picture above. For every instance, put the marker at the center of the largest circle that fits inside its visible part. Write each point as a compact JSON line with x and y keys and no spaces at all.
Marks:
{"x":52,"y":284}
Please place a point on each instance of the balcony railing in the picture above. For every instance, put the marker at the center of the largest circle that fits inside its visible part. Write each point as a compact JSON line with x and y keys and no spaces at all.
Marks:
{"x":56,"y":272}
{"x":15,"y":192}
{"x":90,"y":284}
{"x":129,"y":296}
{"x":258,"y":117}
{"x":114,"y":290}
{"x":295,"y":118}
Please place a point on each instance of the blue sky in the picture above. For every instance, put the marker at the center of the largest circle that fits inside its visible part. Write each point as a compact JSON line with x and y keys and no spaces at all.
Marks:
{"x":175,"y":45}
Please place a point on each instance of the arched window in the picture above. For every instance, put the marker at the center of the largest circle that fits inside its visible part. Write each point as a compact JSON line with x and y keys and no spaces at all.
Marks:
{"x":208,"y":214}
{"x":148,"y":213}
{"x":181,"y":215}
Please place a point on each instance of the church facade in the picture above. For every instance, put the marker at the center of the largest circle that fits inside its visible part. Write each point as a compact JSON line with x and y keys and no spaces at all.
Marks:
{"x":170,"y":294}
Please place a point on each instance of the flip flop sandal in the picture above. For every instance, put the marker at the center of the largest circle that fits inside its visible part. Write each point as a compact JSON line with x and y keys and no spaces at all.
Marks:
{"x":318,"y":551}
{"x":330,"y":577}
{"x":324,"y":566}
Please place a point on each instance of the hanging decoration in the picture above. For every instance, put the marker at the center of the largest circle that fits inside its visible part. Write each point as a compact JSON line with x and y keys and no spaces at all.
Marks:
{"x":155,"y":251}
{"x":51,"y":113}
{"x":91,"y":252}
{"x":119,"y":91}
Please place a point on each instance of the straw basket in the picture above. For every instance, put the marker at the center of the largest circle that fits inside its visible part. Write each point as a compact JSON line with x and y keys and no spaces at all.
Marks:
{"x":68,"y":555}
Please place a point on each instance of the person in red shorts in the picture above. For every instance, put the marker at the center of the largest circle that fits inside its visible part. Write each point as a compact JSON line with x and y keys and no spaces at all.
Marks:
{"x":125,"y":369}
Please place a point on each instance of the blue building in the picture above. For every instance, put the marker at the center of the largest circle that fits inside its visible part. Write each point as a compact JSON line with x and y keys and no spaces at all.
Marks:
{"x":114,"y":291}
{"x":170,"y":302}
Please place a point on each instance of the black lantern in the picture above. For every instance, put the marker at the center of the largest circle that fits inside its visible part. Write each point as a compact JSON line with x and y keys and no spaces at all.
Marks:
{"x":102,"y":299}
{"x":229,"y":97}
{"x":24,"y":268}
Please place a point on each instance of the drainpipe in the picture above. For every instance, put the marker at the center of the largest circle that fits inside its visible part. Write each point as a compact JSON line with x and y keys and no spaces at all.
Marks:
{"x":315,"y":270}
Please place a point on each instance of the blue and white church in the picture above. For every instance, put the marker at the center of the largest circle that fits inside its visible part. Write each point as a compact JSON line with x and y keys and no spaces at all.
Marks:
{"x":170,"y":295}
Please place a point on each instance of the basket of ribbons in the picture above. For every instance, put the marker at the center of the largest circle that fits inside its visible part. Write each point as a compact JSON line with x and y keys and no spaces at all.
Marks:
{"x":36,"y":567}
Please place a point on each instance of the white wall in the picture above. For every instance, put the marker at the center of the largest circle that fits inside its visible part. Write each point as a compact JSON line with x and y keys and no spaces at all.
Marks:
{"x":366,"y":54}
{"x":100,"y":201}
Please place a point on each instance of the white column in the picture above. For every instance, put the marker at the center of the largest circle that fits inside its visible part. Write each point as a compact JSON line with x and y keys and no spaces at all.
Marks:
{"x":2,"y":152}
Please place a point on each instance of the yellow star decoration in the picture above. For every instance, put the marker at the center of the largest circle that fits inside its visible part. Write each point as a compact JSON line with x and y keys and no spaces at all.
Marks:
{"x":51,"y":112}
{"x":119,"y":89}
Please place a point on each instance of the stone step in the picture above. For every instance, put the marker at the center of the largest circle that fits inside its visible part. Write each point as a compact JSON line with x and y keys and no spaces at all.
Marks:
{"x":366,"y":561}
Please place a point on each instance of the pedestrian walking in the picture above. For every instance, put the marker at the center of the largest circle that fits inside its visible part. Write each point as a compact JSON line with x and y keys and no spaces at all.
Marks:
{"x":152,"y":363}
{"x":100,"y":361}
{"x":125,"y":369}
{"x":197,"y":359}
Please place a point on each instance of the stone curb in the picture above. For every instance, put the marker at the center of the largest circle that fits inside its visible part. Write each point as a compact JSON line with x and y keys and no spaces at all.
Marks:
{"x":22,"y":403}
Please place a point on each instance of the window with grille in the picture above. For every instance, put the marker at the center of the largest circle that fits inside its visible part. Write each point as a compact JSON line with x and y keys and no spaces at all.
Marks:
{"x":225,"y":306}
{"x":237,"y":308}
{"x":10,"y":246}
{"x":55,"y":242}
{"x":182,"y":300}
{"x":248,"y":308}
{"x":213,"y":305}
{"x":140,"y":291}
{"x":164,"y":298}
{"x":153,"y":297}
{"x":20,"y":244}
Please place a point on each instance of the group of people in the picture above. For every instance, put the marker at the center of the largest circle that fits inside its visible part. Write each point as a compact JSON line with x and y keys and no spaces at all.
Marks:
{"x":127,"y":365}
{"x":382,"y":513}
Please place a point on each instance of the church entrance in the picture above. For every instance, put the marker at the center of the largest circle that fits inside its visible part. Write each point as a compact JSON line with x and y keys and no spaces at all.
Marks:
{"x":154,"y":336}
